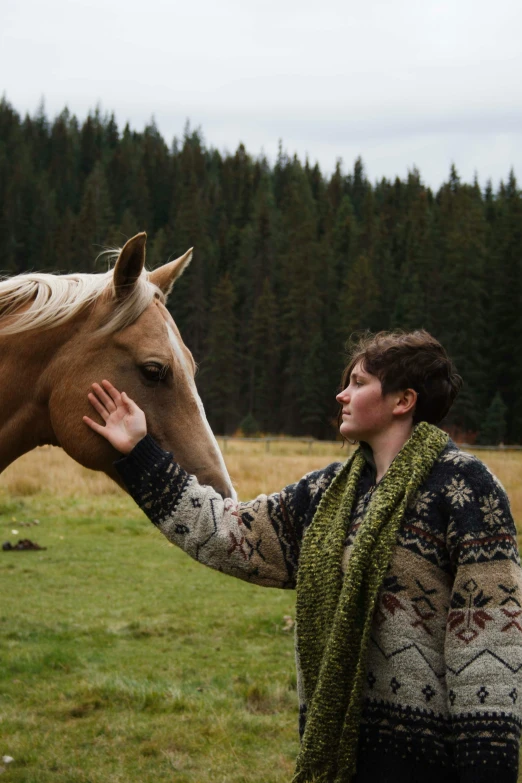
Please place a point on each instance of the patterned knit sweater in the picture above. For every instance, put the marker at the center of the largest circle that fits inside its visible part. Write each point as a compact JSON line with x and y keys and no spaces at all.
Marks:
{"x":443,"y":687}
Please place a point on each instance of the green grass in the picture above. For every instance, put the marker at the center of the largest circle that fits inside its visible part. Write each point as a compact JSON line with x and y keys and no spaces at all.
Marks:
{"x":123,"y":660}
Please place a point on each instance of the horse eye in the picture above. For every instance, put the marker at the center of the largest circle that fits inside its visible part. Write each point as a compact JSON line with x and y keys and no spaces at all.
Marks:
{"x":154,"y":371}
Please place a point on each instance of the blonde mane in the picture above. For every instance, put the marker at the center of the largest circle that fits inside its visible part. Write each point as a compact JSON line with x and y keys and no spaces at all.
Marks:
{"x":42,"y":301}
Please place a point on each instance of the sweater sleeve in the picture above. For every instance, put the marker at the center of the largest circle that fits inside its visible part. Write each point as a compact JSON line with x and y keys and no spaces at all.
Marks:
{"x":257,"y":541}
{"x":483,"y":646}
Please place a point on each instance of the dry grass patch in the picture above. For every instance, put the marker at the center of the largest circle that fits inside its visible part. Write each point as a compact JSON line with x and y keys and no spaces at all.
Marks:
{"x":253,"y":469}
{"x":49,"y":470}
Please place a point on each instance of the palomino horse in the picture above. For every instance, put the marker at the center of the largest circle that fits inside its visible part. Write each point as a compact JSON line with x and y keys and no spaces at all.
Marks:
{"x":58,"y":333}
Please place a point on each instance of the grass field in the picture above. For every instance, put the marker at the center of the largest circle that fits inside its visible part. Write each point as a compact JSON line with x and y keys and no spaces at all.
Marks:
{"x":123,"y":660}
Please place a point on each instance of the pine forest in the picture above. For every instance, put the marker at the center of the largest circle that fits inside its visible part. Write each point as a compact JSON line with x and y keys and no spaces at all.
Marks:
{"x":288,"y":262}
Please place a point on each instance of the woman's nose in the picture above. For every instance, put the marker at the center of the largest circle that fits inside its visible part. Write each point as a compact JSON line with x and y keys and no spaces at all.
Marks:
{"x":343,"y":396}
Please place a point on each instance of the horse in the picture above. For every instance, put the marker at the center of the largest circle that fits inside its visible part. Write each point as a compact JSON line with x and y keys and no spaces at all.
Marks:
{"x":59,"y":333}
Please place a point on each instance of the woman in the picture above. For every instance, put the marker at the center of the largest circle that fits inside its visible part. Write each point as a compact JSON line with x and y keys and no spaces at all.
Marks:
{"x":408,"y":579}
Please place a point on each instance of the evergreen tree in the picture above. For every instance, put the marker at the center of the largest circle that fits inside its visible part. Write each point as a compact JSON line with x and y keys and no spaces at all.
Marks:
{"x":220,"y":369}
{"x":262,"y":360}
{"x":94,"y":220}
{"x":505,"y":312}
{"x":190,"y":296}
{"x":493,"y":427}
{"x":91,"y":143}
{"x":40,"y":241}
{"x":65,"y":243}
{"x":459,"y":317}
{"x":188,"y":227}
{"x":159,"y":253}
{"x":36,"y":134}
{"x":157,"y":168}
{"x":63,"y":171}
{"x":345,"y":236}
{"x":417,"y":276}
{"x":313,"y":392}
{"x":358,"y":299}
{"x":301,"y":301}
{"x":358,"y":186}
{"x":249,"y":426}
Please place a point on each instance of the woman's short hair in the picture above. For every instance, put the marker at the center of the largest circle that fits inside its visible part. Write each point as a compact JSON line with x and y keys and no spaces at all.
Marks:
{"x":408,"y":360}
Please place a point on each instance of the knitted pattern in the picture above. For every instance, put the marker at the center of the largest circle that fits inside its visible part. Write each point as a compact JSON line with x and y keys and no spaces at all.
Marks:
{"x":334,"y":615}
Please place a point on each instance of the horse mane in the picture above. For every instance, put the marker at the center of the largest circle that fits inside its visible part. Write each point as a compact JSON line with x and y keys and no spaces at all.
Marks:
{"x":48,"y":300}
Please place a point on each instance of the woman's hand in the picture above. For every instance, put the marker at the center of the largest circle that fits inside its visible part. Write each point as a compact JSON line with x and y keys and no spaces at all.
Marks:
{"x":125,"y":423}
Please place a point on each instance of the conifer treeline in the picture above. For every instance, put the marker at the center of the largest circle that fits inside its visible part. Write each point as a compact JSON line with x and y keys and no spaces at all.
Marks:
{"x":288,"y":262}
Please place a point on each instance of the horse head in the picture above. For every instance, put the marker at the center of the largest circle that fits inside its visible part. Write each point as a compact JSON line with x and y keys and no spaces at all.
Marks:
{"x":126,"y":334}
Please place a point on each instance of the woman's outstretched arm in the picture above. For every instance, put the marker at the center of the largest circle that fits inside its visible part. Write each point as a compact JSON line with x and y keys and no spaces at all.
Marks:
{"x":258,"y":541}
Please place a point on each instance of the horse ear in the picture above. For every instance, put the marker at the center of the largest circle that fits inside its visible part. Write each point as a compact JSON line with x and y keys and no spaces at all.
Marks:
{"x":129,"y":265}
{"x":165,"y":276}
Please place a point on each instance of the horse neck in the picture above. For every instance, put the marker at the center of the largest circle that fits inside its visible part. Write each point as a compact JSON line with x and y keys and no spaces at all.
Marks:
{"x":24,"y":416}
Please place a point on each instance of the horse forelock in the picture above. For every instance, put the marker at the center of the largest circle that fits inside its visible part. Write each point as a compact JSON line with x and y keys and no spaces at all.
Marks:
{"x":42,"y":301}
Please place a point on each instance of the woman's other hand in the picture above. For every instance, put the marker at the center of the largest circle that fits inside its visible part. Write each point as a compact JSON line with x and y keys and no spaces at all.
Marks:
{"x":125,"y":423}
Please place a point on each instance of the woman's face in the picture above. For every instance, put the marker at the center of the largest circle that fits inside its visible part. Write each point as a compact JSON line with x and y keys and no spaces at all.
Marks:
{"x":365,"y":411}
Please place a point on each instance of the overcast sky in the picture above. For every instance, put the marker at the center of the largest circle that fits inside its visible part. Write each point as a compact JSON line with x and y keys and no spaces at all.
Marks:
{"x":402,"y":83}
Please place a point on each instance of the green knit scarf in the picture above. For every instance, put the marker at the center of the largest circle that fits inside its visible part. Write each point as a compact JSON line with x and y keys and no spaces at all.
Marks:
{"x":334,"y":612}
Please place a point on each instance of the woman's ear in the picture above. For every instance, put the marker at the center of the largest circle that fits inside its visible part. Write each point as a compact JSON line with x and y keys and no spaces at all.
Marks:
{"x":405,"y":402}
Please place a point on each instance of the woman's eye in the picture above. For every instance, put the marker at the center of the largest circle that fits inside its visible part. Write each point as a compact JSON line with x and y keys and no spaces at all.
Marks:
{"x":154,"y":371}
